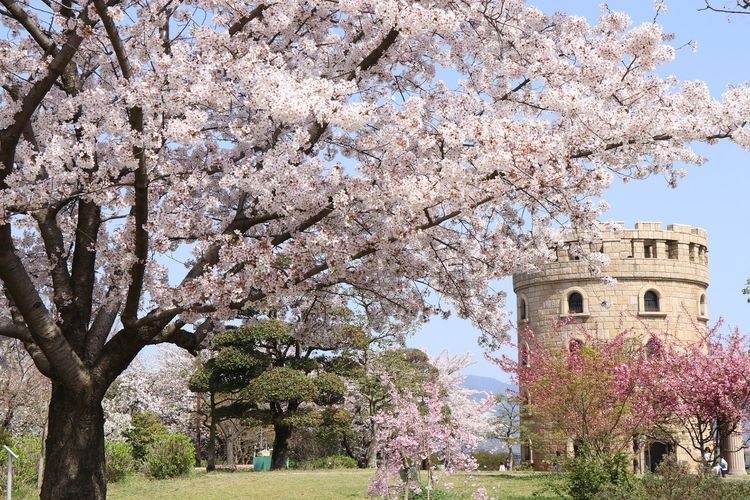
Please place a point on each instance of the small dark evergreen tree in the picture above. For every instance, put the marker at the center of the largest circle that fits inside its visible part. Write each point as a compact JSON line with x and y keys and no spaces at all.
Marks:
{"x":263,"y":373}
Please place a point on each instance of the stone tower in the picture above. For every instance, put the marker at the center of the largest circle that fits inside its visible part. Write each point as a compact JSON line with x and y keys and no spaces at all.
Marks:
{"x":661,"y":274}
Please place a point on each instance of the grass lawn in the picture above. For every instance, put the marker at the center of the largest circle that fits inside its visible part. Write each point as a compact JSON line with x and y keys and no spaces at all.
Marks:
{"x":318,"y":484}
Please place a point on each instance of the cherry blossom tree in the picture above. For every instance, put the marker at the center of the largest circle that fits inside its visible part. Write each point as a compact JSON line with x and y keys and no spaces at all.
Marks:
{"x":698,"y":394}
{"x":590,"y":392}
{"x":368,"y":394}
{"x":440,"y":419}
{"x":156,"y":383}
{"x":413,"y":431}
{"x":24,"y":392}
{"x":469,"y":408}
{"x":24,"y":396}
{"x":300,"y":149}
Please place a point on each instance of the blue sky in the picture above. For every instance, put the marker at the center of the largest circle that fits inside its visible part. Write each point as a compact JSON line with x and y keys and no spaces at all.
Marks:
{"x":711,"y":196}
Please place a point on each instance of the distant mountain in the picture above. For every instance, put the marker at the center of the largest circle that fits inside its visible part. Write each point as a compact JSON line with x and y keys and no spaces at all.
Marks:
{"x":494,"y":386}
{"x":486,"y":384}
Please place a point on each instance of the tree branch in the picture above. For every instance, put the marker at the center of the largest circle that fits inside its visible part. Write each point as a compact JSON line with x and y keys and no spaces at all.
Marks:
{"x":40,"y":360}
{"x":257,"y":12}
{"x":140,"y":208}
{"x":743,"y":4}
{"x":15,"y":331}
{"x":83,"y":274}
{"x":63,"y":359}
{"x":101,"y":327}
{"x":54,"y":246}
{"x":16,"y":12}
{"x":373,"y":57}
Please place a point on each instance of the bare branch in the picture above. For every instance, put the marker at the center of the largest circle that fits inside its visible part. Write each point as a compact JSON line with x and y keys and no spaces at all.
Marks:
{"x":100,"y":328}
{"x":140,"y":208}
{"x":16,"y":12}
{"x":15,"y":331}
{"x":743,"y":4}
{"x":257,"y":12}
{"x":83,"y":273}
{"x":46,"y":334}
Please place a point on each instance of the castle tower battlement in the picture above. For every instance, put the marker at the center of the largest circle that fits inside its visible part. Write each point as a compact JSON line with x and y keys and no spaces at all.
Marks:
{"x":661,"y":273}
{"x":648,"y":251}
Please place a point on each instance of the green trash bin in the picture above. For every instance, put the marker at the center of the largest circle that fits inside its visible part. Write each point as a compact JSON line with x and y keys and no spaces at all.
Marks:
{"x":261,"y":463}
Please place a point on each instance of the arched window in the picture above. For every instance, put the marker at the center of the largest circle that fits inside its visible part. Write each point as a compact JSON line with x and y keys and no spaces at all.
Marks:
{"x":702,"y":311}
{"x":575,"y":303}
{"x":651,"y":301}
{"x":522,"y":309}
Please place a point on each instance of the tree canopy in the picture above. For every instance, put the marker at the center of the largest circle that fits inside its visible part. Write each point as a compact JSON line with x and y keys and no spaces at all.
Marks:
{"x":289,"y":152}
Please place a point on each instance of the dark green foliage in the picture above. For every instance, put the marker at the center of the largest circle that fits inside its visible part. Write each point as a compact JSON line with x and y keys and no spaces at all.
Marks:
{"x":407,"y":368}
{"x":591,"y":474}
{"x":119,"y":460}
{"x":170,"y":455}
{"x":5,"y":438}
{"x":489,"y":461}
{"x":264,"y":375}
{"x":145,"y":428}
{"x":279,"y":385}
{"x":331,"y":389}
{"x":335,"y":426}
{"x":331,"y":462}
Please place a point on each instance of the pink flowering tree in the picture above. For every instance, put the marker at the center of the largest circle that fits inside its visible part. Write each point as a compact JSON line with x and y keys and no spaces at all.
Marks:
{"x":165,"y":164}
{"x":419,"y":432}
{"x":587,"y":391}
{"x":698,"y":393}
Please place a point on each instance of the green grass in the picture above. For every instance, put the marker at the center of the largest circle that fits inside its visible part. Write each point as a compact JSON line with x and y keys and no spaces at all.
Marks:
{"x":317,"y":485}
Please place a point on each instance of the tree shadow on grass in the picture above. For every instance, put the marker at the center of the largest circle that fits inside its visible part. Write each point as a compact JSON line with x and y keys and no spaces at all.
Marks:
{"x":521,"y":476}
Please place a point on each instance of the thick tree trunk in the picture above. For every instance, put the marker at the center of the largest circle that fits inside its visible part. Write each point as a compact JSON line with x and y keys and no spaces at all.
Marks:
{"x":280,"y":446}
{"x":75,"y":448}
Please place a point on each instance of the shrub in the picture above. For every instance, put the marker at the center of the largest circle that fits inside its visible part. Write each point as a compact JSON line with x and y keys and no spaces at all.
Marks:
{"x":144,"y":429}
{"x":489,"y":461}
{"x":523,"y":467}
{"x":170,"y":455}
{"x":673,"y":479}
{"x":332,"y":462}
{"x":5,"y":438}
{"x":119,"y":460}
{"x":590,"y":474}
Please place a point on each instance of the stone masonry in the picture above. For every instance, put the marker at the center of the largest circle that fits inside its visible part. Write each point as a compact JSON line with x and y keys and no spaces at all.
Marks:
{"x":662,"y":277}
